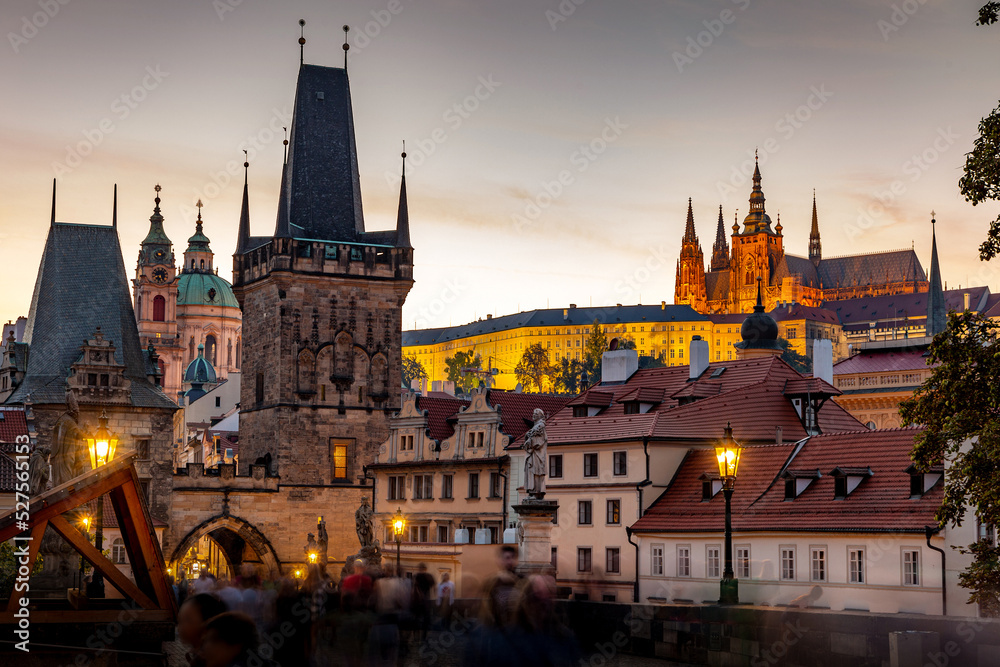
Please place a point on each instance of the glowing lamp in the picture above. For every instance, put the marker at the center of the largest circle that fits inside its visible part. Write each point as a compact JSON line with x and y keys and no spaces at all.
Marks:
{"x":727,"y":453}
{"x":102,"y":445}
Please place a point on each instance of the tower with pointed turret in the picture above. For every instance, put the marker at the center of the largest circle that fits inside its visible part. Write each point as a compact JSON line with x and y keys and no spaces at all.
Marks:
{"x":689,"y":287}
{"x":322,"y":304}
{"x":720,"y":249}
{"x":756,"y":252}
{"x":815,"y":249}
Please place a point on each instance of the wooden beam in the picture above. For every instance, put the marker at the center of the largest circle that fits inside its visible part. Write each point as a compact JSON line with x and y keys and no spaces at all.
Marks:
{"x":135,"y":521}
{"x":97,"y":559}
{"x":37,"y":532}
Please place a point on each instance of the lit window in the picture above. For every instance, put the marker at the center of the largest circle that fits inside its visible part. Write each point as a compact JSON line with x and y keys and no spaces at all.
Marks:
{"x":340,"y":461}
{"x":614,"y":514}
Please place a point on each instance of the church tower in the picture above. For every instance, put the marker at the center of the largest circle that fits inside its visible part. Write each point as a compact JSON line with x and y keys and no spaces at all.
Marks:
{"x":720,"y":249}
{"x":322,"y":307}
{"x":756,"y":251}
{"x":155,"y":300}
{"x":689,"y":285}
{"x":815,"y":249}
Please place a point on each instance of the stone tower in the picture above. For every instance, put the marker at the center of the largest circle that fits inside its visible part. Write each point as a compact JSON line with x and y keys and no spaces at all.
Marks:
{"x":155,"y":300}
{"x":322,"y":305}
{"x":756,"y":251}
{"x":689,"y":286}
{"x":815,"y":248}
{"x":720,"y":249}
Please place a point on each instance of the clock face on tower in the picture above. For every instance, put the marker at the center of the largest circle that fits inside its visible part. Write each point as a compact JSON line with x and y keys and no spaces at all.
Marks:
{"x":160,"y":255}
{"x":160,"y":275}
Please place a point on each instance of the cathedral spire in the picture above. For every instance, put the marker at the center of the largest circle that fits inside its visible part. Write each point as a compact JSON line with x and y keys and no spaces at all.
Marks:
{"x":757,"y":219}
{"x":53,"y":221}
{"x":720,"y":249}
{"x":114,"y":209}
{"x":243,"y":240}
{"x":402,"y":215}
{"x":937,"y":319}
{"x":689,"y":234}
{"x":815,"y":248}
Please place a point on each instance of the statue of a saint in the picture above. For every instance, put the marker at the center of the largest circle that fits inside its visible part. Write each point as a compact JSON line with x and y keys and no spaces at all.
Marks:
{"x":535,"y":446}
{"x":38,"y":470}
{"x":311,"y":546}
{"x":67,"y":443}
{"x":364,"y":519}
{"x":323,"y":541}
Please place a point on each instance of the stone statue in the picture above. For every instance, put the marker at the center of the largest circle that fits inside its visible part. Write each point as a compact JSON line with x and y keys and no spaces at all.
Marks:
{"x":323,"y":541}
{"x":364,"y":519}
{"x":535,"y":446}
{"x":67,"y":443}
{"x":38,"y":470}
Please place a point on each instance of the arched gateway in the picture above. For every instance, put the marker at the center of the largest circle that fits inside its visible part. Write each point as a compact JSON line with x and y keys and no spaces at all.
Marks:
{"x":223,"y":529}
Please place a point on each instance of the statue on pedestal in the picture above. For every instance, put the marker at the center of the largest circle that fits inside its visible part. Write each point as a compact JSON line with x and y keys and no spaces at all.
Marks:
{"x":364,"y":519}
{"x":38,"y":471}
{"x":323,"y":542}
{"x":535,"y":450}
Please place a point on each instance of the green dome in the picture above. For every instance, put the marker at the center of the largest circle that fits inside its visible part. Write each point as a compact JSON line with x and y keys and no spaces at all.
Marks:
{"x":200,"y":371}
{"x":204,"y":289}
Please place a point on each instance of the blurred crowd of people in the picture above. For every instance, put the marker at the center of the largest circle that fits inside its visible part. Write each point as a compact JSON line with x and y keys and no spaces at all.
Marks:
{"x":372,"y":617}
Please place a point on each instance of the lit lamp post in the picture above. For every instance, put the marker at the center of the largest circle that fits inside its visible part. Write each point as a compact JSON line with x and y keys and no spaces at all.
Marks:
{"x":398,"y":523}
{"x":102,"y":450}
{"x":728,"y":452}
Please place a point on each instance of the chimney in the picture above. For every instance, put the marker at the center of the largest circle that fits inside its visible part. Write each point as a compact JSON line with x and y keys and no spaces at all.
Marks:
{"x":489,"y":316}
{"x":618,"y":365}
{"x":572,"y":306}
{"x":823,"y":359}
{"x":565,"y":314}
{"x":698,"y":356}
{"x":777,"y":435}
{"x":966,"y":298}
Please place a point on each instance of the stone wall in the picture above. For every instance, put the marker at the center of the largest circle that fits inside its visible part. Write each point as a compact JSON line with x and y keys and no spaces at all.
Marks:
{"x":759,"y":636}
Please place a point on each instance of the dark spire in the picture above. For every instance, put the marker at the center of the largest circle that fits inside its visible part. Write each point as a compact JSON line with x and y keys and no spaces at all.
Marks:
{"x":302,"y":41}
{"x":156,"y":235}
{"x":815,"y":248}
{"x":720,"y":249}
{"x":114,"y":209}
{"x":199,"y":242}
{"x":243,"y":239}
{"x":689,"y":235}
{"x":757,"y":219}
{"x":347,"y":46}
{"x":402,"y":215}
{"x":937,"y":318}
{"x":53,"y":222}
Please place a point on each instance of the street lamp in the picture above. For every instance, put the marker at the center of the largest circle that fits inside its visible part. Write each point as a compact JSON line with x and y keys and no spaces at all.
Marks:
{"x":728,"y":453}
{"x":398,"y":523}
{"x":102,"y":450}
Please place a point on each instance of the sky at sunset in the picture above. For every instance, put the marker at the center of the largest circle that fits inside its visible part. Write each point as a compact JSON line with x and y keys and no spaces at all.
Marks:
{"x":553,"y":145}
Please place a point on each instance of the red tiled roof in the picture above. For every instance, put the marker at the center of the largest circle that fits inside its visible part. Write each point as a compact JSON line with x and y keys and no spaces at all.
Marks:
{"x":8,"y":467}
{"x":880,"y":503}
{"x":597,"y":398}
{"x":749,"y":395}
{"x":643,"y":395}
{"x":700,"y":389}
{"x":12,"y":423}
{"x":439,"y":410}
{"x":875,"y":361}
{"x":516,"y":409}
{"x":810,"y":385}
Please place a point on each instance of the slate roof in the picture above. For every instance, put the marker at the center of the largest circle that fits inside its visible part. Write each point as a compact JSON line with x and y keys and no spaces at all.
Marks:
{"x":876,"y":268}
{"x":717,"y":285}
{"x":556,"y":317}
{"x":877,"y":361}
{"x":321,"y":195}
{"x":801,"y":312}
{"x":81,"y":285}
{"x":911,"y":306}
{"x":793,"y":265}
{"x":881,"y":503}
{"x":749,"y":393}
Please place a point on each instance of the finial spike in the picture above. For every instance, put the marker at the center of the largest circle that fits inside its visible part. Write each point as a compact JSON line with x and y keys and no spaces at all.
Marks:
{"x":347,"y":46}
{"x":114,"y":209}
{"x":302,"y":41}
{"x":53,"y":223}
{"x":285,"y":142}
{"x":199,"y":205}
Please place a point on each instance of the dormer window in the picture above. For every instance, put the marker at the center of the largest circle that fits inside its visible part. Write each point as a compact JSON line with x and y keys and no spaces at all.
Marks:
{"x":797,"y":481}
{"x":632,"y":408}
{"x":922,"y":482}
{"x":579,"y":410}
{"x":845,"y":480}
{"x":710,"y":486}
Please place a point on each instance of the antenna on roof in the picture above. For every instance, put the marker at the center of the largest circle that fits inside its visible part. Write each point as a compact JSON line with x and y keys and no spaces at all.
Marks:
{"x":53,"y":223}
{"x":302,"y":40}
{"x":347,"y":46}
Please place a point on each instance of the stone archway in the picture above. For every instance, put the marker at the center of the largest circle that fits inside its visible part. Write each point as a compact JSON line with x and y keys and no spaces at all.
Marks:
{"x":242,"y":529}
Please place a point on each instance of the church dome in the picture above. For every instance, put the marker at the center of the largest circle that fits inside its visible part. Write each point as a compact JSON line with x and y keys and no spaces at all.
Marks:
{"x":205,"y":289}
{"x":759,"y":330}
{"x":200,"y":370}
